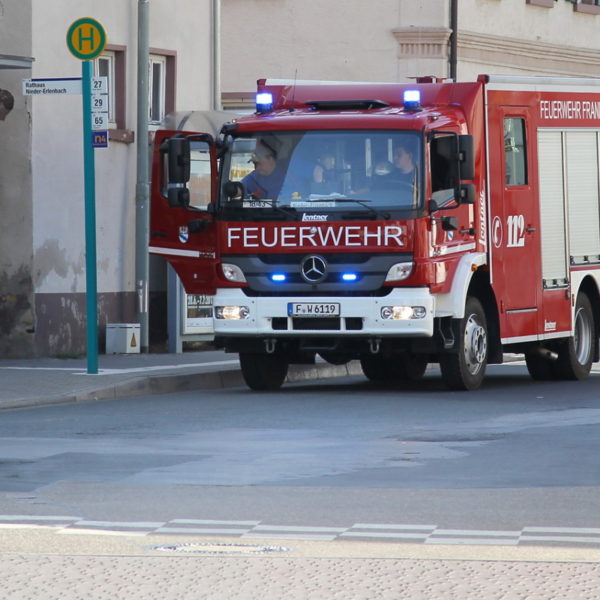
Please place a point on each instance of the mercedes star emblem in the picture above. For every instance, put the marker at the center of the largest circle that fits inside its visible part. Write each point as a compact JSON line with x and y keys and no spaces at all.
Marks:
{"x":314,"y":269}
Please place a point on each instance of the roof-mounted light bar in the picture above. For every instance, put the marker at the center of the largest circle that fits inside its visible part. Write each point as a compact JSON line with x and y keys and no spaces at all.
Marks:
{"x":264,"y":102}
{"x":412,"y":100}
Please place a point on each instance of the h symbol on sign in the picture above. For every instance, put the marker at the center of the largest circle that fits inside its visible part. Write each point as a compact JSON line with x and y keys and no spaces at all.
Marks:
{"x":89,"y":38}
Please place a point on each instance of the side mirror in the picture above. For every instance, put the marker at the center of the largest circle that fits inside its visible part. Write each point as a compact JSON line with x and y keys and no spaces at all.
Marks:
{"x":449,"y":223}
{"x":466,"y":157}
{"x":178,"y":196}
{"x":234,"y":190}
{"x":466,"y":193}
{"x":178,"y":152}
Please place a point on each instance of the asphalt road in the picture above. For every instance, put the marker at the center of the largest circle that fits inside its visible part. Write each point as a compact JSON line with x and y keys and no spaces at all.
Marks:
{"x":517,"y":458}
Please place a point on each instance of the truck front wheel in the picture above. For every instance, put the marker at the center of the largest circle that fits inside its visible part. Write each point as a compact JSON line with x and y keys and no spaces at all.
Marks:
{"x":263,"y":372}
{"x":399,"y":367}
{"x":465,"y":369}
{"x":540,"y":367}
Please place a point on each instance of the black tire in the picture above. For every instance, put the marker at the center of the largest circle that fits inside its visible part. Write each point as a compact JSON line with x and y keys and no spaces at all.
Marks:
{"x":403,"y":367}
{"x":263,"y":372}
{"x":465,"y":369}
{"x":540,"y":367}
{"x":411,"y":367}
{"x":575,"y":356}
{"x":376,"y":368}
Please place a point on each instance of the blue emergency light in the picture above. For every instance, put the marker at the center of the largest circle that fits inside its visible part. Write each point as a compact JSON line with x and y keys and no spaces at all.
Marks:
{"x":412,"y":99}
{"x":278,"y":277}
{"x":349,"y":276}
{"x":264,"y":102}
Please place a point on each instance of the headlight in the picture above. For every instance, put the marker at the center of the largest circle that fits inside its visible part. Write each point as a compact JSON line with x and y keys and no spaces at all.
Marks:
{"x":403,"y":313}
{"x":232,"y":313}
{"x":233,"y":273}
{"x":399,"y":271}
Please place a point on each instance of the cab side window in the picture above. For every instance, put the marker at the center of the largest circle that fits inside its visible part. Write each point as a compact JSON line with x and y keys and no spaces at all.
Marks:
{"x":515,"y":151}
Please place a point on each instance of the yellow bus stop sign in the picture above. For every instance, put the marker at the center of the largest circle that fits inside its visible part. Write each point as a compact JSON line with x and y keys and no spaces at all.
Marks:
{"x":86,"y":38}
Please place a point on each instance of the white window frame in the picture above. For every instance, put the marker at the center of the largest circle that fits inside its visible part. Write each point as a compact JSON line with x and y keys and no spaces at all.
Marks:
{"x":109,"y":57}
{"x":157,"y":99}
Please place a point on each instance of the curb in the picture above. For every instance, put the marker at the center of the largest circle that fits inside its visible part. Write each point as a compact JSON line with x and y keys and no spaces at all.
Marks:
{"x":163,"y":384}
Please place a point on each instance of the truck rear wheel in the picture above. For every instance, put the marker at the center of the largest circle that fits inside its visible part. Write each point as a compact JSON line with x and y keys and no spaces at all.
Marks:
{"x":575,"y":356}
{"x":263,"y":372}
{"x":465,"y":369}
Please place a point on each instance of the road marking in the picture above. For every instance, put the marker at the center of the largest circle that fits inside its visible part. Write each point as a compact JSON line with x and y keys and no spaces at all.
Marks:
{"x":212,"y":522}
{"x":474,"y":541}
{"x":390,"y":532}
{"x":295,"y":528}
{"x":402,"y":526}
{"x":579,"y":530}
{"x":290,"y":536}
{"x":385,"y":535}
{"x":200,"y":530}
{"x":118,"y":524}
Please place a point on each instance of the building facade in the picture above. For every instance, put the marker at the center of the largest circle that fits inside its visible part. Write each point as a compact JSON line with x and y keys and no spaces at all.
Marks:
{"x":394,"y":40}
{"x":42,"y":241}
{"x":42,"y":238}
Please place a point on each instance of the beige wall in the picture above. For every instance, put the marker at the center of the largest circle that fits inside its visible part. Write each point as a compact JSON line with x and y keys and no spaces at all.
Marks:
{"x":16,"y":291}
{"x":42,"y":240}
{"x":510,"y":36}
{"x":390,"y":40}
{"x":42,"y":277}
{"x":317,"y":39}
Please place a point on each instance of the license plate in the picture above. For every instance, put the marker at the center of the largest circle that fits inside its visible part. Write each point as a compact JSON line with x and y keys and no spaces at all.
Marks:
{"x":314,"y":309}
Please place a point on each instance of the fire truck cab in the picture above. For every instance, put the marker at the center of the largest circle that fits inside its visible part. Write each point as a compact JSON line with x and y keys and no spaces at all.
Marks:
{"x":396,"y":224}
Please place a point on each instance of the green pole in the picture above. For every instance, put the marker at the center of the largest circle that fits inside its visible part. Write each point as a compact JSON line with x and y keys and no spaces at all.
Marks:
{"x":90,"y":220}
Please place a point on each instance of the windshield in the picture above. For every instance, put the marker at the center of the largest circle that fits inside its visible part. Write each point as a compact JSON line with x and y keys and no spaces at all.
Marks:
{"x":327,"y":171}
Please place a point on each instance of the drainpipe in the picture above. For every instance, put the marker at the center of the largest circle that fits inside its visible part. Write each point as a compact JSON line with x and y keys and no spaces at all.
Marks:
{"x":142,"y":188}
{"x":453,"y":58}
{"x":216,"y":54}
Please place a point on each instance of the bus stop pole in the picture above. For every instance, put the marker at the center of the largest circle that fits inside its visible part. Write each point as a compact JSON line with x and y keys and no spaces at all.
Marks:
{"x":90,"y":220}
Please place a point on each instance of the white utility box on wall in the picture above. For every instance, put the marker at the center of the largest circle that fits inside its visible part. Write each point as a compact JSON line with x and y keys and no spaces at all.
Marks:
{"x":122,"y":338}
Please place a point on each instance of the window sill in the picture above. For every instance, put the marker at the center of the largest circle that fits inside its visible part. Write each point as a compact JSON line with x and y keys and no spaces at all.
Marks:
{"x":590,"y":9}
{"x":545,"y":3}
{"x":127,"y":136}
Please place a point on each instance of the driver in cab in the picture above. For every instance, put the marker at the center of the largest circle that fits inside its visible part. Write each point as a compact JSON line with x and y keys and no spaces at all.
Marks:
{"x":266,"y":180}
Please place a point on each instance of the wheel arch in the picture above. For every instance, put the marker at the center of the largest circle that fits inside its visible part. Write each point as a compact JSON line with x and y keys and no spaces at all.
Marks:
{"x":452,"y":304}
{"x":480,"y":287}
{"x":473,"y":279}
{"x":589,"y":286}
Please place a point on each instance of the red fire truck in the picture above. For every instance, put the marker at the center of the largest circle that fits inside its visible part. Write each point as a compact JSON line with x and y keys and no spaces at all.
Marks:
{"x":396,"y":224}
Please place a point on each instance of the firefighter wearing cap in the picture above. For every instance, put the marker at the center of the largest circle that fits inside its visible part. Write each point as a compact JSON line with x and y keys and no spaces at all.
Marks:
{"x":266,"y":180}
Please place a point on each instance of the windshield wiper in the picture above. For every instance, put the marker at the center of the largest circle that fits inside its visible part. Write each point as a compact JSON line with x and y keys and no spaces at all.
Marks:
{"x":364,"y":203}
{"x":258,"y":213}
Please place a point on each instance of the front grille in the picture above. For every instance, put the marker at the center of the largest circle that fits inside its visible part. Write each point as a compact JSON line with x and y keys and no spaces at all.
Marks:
{"x":354,"y":323}
{"x":331,"y":323}
{"x":316,"y":324}
{"x":279,"y":324}
{"x":370,"y":270}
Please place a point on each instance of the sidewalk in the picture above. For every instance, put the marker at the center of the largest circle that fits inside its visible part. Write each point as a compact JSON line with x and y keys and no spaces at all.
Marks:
{"x":36,"y":382}
{"x":44,"y":564}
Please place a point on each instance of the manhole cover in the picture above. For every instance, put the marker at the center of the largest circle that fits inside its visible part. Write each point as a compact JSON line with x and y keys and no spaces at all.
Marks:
{"x":220,"y":548}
